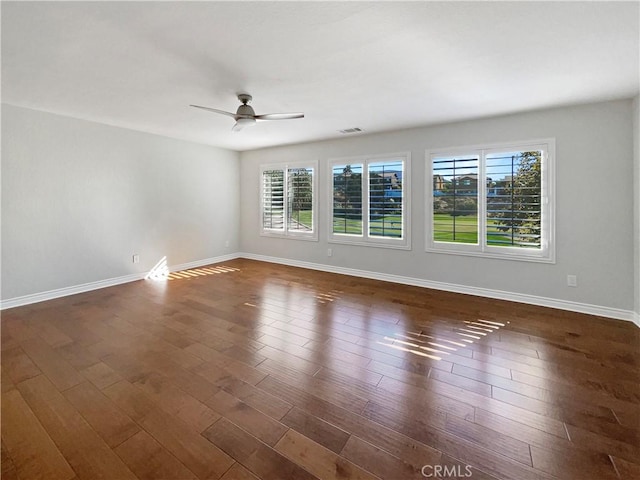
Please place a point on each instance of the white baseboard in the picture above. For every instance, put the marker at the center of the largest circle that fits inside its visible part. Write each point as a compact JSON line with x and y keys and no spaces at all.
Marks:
{"x":110,"y":282}
{"x":598,"y":310}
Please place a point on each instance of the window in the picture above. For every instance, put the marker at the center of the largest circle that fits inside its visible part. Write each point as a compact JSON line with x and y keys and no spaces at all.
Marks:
{"x":369,"y":201}
{"x":494,"y":201}
{"x":288,"y":201}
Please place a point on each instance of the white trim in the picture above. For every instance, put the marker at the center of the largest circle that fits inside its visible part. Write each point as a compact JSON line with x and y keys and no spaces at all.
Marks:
{"x":109,"y":282}
{"x":636,"y":318}
{"x":586,"y":308}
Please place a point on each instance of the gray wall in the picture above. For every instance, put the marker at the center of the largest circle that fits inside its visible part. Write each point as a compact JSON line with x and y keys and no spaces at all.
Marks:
{"x":636,"y":204}
{"x":594,"y":218}
{"x":80,"y":198}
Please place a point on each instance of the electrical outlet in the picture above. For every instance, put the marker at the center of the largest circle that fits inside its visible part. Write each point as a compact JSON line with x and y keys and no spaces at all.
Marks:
{"x":329,"y":252}
{"x":136,"y":258}
{"x":572,"y":280}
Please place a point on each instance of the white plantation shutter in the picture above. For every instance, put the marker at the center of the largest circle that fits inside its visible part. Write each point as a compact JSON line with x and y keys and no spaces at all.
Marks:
{"x":287,"y":202}
{"x":455,"y":199}
{"x":273,"y":200}
{"x":514,"y":199}
{"x":386,"y":199}
{"x":300,"y":199}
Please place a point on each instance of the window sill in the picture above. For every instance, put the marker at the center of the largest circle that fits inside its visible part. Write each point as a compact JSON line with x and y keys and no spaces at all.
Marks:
{"x":499,"y":256}
{"x":289,"y":236}
{"x":363,"y":243}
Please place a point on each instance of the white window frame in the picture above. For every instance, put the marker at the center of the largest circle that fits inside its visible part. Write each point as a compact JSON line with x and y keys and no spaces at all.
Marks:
{"x":546,"y":254}
{"x":285,"y":232}
{"x":364,"y":239}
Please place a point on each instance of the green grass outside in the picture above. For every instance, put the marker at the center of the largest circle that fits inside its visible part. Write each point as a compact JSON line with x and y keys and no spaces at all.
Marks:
{"x":466,"y":227}
{"x":388,"y":226}
{"x":304,"y":217}
{"x":466,"y":230}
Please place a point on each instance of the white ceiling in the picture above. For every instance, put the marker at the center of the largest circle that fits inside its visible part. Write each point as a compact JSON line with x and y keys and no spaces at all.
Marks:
{"x":374,"y":65}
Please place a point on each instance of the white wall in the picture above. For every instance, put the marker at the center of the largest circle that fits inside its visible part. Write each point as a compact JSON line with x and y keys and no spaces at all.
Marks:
{"x":80,"y":198}
{"x":594,"y":227}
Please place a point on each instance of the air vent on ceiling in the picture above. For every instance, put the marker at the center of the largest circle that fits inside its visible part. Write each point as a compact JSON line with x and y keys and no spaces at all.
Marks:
{"x":351,"y":130}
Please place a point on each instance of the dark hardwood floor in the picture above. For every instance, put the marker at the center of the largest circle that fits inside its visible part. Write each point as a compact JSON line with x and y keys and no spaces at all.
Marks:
{"x":249,"y":370}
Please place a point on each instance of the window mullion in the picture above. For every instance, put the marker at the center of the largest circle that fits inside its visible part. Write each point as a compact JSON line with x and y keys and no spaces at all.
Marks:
{"x":482,"y":201}
{"x":544,"y":202}
{"x":366,"y":196}
{"x":285,"y":199}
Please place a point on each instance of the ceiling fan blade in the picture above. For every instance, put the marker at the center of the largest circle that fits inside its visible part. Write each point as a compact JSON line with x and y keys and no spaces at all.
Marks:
{"x":215,"y":110}
{"x":279,"y":116}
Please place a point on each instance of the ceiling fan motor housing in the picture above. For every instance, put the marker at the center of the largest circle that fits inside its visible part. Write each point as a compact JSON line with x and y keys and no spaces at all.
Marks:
{"x":245,"y":111}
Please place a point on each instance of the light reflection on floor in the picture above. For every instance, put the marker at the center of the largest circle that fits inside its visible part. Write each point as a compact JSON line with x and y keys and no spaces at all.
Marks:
{"x":199,"y":272}
{"x":430,"y":346}
{"x":161,"y":271}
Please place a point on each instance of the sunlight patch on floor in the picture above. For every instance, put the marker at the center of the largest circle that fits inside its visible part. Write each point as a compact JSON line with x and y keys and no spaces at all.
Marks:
{"x":436,"y":347}
{"x":200,"y":272}
{"x":161,"y":271}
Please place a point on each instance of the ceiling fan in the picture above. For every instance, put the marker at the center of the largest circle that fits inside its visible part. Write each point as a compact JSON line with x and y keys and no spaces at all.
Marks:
{"x":245,"y":115}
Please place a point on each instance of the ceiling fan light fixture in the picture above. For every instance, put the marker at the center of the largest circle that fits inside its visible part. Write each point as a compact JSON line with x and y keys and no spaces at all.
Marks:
{"x":245,"y":122}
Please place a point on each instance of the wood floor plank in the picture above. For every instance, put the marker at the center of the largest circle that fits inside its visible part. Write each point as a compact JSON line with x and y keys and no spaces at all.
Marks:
{"x":587,"y":440}
{"x":320,"y":461}
{"x":228,"y":364}
{"x":321,"y":432}
{"x":238,"y":472}
{"x":593,"y":418}
{"x":8,"y":469}
{"x":89,"y":456}
{"x":18,"y":366}
{"x":195,"y":452}
{"x":253,"y":421}
{"x":533,"y":419}
{"x":51,"y":334}
{"x":134,"y":402}
{"x":176,"y":402}
{"x":31,"y":450}
{"x":455,"y":446}
{"x":77,"y":355}
{"x":149,"y":460}
{"x":390,"y":440}
{"x":569,"y":463}
{"x":626,"y":469}
{"x":113,"y":425}
{"x":521,"y":431}
{"x":254,"y":455}
{"x":255,"y":397}
{"x":377,"y":461}
{"x":58,"y":370}
{"x":101,"y":375}
{"x":187,"y":445}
